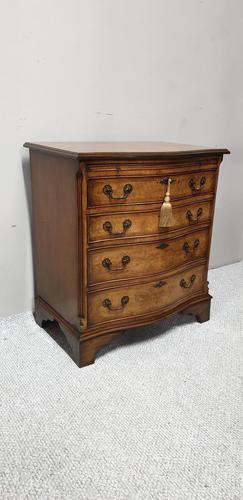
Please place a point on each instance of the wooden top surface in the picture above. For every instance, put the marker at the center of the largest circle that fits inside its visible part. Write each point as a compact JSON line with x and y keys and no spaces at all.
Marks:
{"x":81,"y":150}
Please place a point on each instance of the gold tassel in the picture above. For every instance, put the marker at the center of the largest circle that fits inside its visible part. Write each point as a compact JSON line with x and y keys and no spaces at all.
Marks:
{"x":166,"y":215}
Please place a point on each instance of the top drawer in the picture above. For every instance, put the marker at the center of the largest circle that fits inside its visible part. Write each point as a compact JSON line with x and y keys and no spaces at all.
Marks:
{"x":150,"y":189}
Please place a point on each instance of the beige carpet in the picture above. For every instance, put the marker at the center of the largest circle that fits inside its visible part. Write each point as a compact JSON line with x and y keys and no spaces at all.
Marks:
{"x":156,"y":417}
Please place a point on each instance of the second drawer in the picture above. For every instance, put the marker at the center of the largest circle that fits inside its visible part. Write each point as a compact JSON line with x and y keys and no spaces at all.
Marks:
{"x":117,"y":226}
{"x":137,"y":260}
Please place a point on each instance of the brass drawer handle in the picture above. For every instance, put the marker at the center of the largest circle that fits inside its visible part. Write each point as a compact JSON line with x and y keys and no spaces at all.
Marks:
{"x":108,"y":304}
{"x":108,"y":264}
{"x":189,"y":216}
{"x":108,"y":191}
{"x":163,"y":245}
{"x":184,"y":284}
{"x":190,"y":250}
{"x":160,"y":284}
{"x":194,"y":188}
{"x":107,"y":226}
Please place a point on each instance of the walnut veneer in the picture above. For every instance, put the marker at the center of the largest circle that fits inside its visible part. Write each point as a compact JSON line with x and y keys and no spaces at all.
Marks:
{"x":102,"y":264}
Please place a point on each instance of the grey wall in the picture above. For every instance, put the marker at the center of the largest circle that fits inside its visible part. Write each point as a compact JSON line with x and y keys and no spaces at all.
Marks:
{"x":124,"y":70}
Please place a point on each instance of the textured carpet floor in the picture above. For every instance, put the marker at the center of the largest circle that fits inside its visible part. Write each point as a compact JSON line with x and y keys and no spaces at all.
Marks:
{"x":156,"y":417}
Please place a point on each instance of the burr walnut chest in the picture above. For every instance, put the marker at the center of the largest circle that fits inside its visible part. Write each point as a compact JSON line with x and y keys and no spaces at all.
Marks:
{"x":102,"y":261}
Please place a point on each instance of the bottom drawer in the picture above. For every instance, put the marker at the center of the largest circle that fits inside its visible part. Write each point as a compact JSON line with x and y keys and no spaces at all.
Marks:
{"x":135,"y":300}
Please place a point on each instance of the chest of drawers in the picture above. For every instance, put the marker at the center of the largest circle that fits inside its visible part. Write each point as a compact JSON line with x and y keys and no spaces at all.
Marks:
{"x":102,"y":263}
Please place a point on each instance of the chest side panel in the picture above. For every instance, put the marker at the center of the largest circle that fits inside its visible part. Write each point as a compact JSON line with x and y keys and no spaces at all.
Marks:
{"x":55,"y":232}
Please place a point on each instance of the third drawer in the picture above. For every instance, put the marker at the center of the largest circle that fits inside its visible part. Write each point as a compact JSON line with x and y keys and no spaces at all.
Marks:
{"x":144,"y":259}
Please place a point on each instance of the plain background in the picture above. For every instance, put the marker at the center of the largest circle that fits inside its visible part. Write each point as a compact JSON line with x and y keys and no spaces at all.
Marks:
{"x":117,"y":70}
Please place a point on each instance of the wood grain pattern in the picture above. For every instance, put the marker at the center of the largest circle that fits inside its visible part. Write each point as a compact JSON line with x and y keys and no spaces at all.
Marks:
{"x":144,"y":298}
{"x":96,"y":283}
{"x":98,"y":169}
{"x":145,"y":259}
{"x":80,"y":150}
{"x":147,"y":188}
{"x":145,"y":223}
{"x":55,"y":232}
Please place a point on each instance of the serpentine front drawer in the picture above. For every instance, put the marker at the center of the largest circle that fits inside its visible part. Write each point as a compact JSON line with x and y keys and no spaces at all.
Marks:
{"x":148,"y":189}
{"x":129,"y":224}
{"x":144,"y":298}
{"x":122,"y":262}
{"x":121,"y":236}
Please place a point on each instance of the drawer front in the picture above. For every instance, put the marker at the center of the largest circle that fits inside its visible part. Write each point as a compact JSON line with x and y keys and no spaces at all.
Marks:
{"x":135,"y":300}
{"x":131,"y":190}
{"x":132,"y":261}
{"x":131,"y":224}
